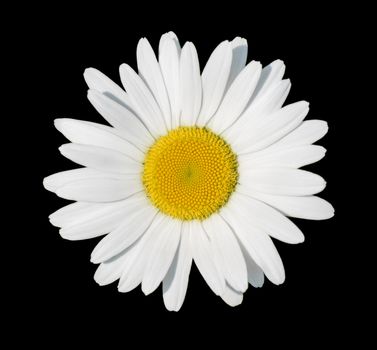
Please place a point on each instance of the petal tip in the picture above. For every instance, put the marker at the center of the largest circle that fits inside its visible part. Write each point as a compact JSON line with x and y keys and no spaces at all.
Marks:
{"x":124,"y":66}
{"x":330,"y":213}
{"x":98,"y":280}
{"x":46,"y":185}
{"x":243,"y":288}
{"x":169,"y":35}
{"x":122,"y":287}
{"x":280,"y":281}
{"x":146,"y":289}
{"x":95,"y":258}
{"x":52,"y":222}
{"x":239,"y":41}
{"x":64,"y":235}
{"x":172,"y":306}
{"x":62,"y":148}
{"x":88,"y":71}
{"x":58,"y":123}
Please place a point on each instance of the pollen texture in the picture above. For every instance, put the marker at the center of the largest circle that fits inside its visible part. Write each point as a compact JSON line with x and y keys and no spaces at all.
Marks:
{"x":190,"y":173}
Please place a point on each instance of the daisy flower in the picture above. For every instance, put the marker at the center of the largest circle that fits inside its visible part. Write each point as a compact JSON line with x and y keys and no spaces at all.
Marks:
{"x":196,"y":166}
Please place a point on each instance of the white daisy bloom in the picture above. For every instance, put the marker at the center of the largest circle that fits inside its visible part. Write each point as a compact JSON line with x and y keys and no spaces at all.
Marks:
{"x":195,"y":166}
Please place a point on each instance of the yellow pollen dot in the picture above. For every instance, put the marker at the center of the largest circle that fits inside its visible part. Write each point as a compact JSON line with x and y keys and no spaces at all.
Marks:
{"x":190,"y":173}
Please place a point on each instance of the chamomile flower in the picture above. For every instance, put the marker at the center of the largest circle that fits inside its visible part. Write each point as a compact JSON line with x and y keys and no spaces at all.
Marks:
{"x":196,"y":166}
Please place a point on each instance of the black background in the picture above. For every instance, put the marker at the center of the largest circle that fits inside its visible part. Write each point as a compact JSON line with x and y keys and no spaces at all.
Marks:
{"x":57,"y":293}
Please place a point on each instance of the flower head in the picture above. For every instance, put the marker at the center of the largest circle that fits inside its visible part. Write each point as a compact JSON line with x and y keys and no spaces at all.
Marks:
{"x":199,"y":167}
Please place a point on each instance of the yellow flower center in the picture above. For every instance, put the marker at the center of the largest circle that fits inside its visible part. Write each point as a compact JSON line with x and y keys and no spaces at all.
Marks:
{"x":190,"y":173}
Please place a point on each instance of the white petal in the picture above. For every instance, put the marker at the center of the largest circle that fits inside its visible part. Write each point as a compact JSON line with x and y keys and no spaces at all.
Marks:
{"x":68,"y":214}
{"x":176,"y":280}
{"x":132,"y":227}
{"x":150,"y":71}
{"x":239,"y":50}
{"x":254,"y":272}
{"x":204,"y":259}
{"x":100,"y":82}
{"x":87,"y":133}
{"x":95,"y":227}
{"x":95,"y":219}
{"x":169,"y":55}
{"x":306,"y":133}
{"x":311,"y":207}
{"x":214,"y":79}
{"x":256,"y":112}
{"x":231,"y":259}
{"x":164,"y":247}
{"x":100,"y":158}
{"x":110,"y":270}
{"x":98,"y":226}
{"x":271,"y":75}
{"x":143,"y":101}
{"x":106,"y":189}
{"x":270,"y":100}
{"x":168,"y":37}
{"x":282,"y":181}
{"x":259,"y":135}
{"x":268,"y":219}
{"x":121,"y":118}
{"x":190,"y":85}
{"x":236,"y":98}
{"x":134,"y":270}
{"x":78,"y":212}
{"x":54,"y":181}
{"x":231,"y":296}
{"x":284,"y":157}
{"x":256,"y":242}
